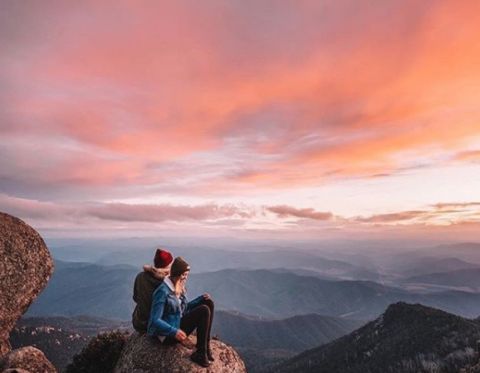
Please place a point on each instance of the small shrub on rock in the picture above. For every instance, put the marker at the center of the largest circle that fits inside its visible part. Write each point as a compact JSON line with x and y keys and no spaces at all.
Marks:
{"x":100,"y":354}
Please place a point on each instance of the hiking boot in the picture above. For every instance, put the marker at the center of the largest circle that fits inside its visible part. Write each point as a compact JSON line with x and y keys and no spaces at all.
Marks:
{"x":200,"y":359}
{"x":210,"y":355}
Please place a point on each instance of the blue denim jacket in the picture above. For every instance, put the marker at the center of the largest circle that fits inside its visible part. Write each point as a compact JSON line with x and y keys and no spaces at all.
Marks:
{"x":167,"y":311}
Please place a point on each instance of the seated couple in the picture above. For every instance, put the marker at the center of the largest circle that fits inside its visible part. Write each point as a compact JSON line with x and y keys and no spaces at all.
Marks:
{"x":162,"y":309}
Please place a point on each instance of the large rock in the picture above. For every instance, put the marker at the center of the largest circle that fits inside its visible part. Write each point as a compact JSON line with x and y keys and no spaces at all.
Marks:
{"x":25,"y":268}
{"x":29,"y":358}
{"x":143,"y":354}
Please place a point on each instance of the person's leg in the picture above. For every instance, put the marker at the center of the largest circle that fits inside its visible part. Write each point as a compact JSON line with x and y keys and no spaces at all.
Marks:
{"x":198,"y":318}
{"x":190,"y":326}
{"x":209,"y":303}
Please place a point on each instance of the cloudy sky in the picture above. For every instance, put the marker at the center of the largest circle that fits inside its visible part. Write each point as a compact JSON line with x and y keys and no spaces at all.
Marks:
{"x":249,"y":118}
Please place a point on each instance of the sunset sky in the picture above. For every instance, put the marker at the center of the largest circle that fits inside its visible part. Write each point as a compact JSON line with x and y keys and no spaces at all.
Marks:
{"x":300,"y":119}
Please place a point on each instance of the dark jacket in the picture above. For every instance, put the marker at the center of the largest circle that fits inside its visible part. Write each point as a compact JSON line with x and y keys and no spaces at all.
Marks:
{"x":167,"y":311}
{"x":145,"y":285}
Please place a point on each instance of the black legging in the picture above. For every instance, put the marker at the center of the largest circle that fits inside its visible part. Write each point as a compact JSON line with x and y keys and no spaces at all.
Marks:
{"x":200,"y":318}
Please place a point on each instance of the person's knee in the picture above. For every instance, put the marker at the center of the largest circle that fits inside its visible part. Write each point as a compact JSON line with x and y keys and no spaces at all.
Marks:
{"x":209,"y":302}
{"x":204,"y":309}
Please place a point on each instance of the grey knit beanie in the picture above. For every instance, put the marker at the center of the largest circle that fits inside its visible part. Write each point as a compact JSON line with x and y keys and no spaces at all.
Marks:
{"x":179,"y":266}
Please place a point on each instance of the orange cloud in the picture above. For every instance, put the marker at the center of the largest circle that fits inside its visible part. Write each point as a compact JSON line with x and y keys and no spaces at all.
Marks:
{"x":300,"y":94}
{"x":456,"y":205}
{"x":468,"y":156}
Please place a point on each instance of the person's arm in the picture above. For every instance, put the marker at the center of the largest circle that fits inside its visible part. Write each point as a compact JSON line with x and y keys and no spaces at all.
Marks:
{"x":135,"y":291}
{"x":161,"y":327}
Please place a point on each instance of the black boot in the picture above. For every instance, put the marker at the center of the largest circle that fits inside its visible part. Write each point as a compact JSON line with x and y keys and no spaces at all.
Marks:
{"x":200,"y":358}
{"x":210,"y":355}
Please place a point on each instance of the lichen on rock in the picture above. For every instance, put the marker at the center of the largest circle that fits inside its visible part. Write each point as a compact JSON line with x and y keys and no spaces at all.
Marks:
{"x":28,"y":358}
{"x":143,"y":354}
{"x":25,"y":269}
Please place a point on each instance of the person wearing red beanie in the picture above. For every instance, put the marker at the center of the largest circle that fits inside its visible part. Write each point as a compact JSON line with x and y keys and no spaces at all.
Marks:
{"x":145,"y":284}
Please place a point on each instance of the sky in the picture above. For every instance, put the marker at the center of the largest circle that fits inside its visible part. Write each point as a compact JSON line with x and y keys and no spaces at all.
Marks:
{"x":296,"y":119}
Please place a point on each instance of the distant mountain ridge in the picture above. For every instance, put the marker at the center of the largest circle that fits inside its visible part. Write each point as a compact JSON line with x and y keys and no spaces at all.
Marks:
{"x":87,"y":289}
{"x":265,"y":342}
{"x":406,"y":338}
{"x":210,"y":260}
{"x":468,"y":279}
{"x":106,"y":291}
{"x":274,"y":294}
{"x":296,"y":333}
{"x":428,"y":265}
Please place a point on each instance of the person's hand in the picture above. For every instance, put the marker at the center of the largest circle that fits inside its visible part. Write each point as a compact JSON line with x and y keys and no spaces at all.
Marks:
{"x":188,"y":343}
{"x":206,"y":296}
{"x":180,"y":335}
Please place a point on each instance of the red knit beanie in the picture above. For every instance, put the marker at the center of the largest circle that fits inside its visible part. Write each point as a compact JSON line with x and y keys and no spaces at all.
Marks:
{"x":162,"y":258}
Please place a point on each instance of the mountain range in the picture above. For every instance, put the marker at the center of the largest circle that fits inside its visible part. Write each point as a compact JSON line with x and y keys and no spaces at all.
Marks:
{"x":264,"y":342}
{"x":259,"y":342}
{"x":462,"y":279}
{"x":406,"y":338}
{"x":106,"y":291}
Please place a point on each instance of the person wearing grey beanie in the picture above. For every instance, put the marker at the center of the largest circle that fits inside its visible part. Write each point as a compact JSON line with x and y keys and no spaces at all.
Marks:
{"x":179,"y":266}
{"x":173,"y":319}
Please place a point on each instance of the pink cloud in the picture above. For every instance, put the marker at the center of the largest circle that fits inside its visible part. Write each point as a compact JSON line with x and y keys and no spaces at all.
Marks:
{"x":439,"y":213}
{"x":199,"y":98}
{"x":164,"y":212}
{"x":284,"y":211}
{"x":219,"y":219}
{"x":33,"y":209}
{"x":394,"y":217}
{"x":142,"y":213}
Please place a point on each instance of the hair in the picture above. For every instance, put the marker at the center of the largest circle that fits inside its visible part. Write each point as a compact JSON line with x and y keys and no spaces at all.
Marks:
{"x":179,"y":285}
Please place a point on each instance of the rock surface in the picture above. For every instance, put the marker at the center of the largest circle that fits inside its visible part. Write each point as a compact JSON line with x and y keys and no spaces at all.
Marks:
{"x":475,"y":368}
{"x":25,"y":267}
{"x":28,"y":358}
{"x":143,"y":354}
